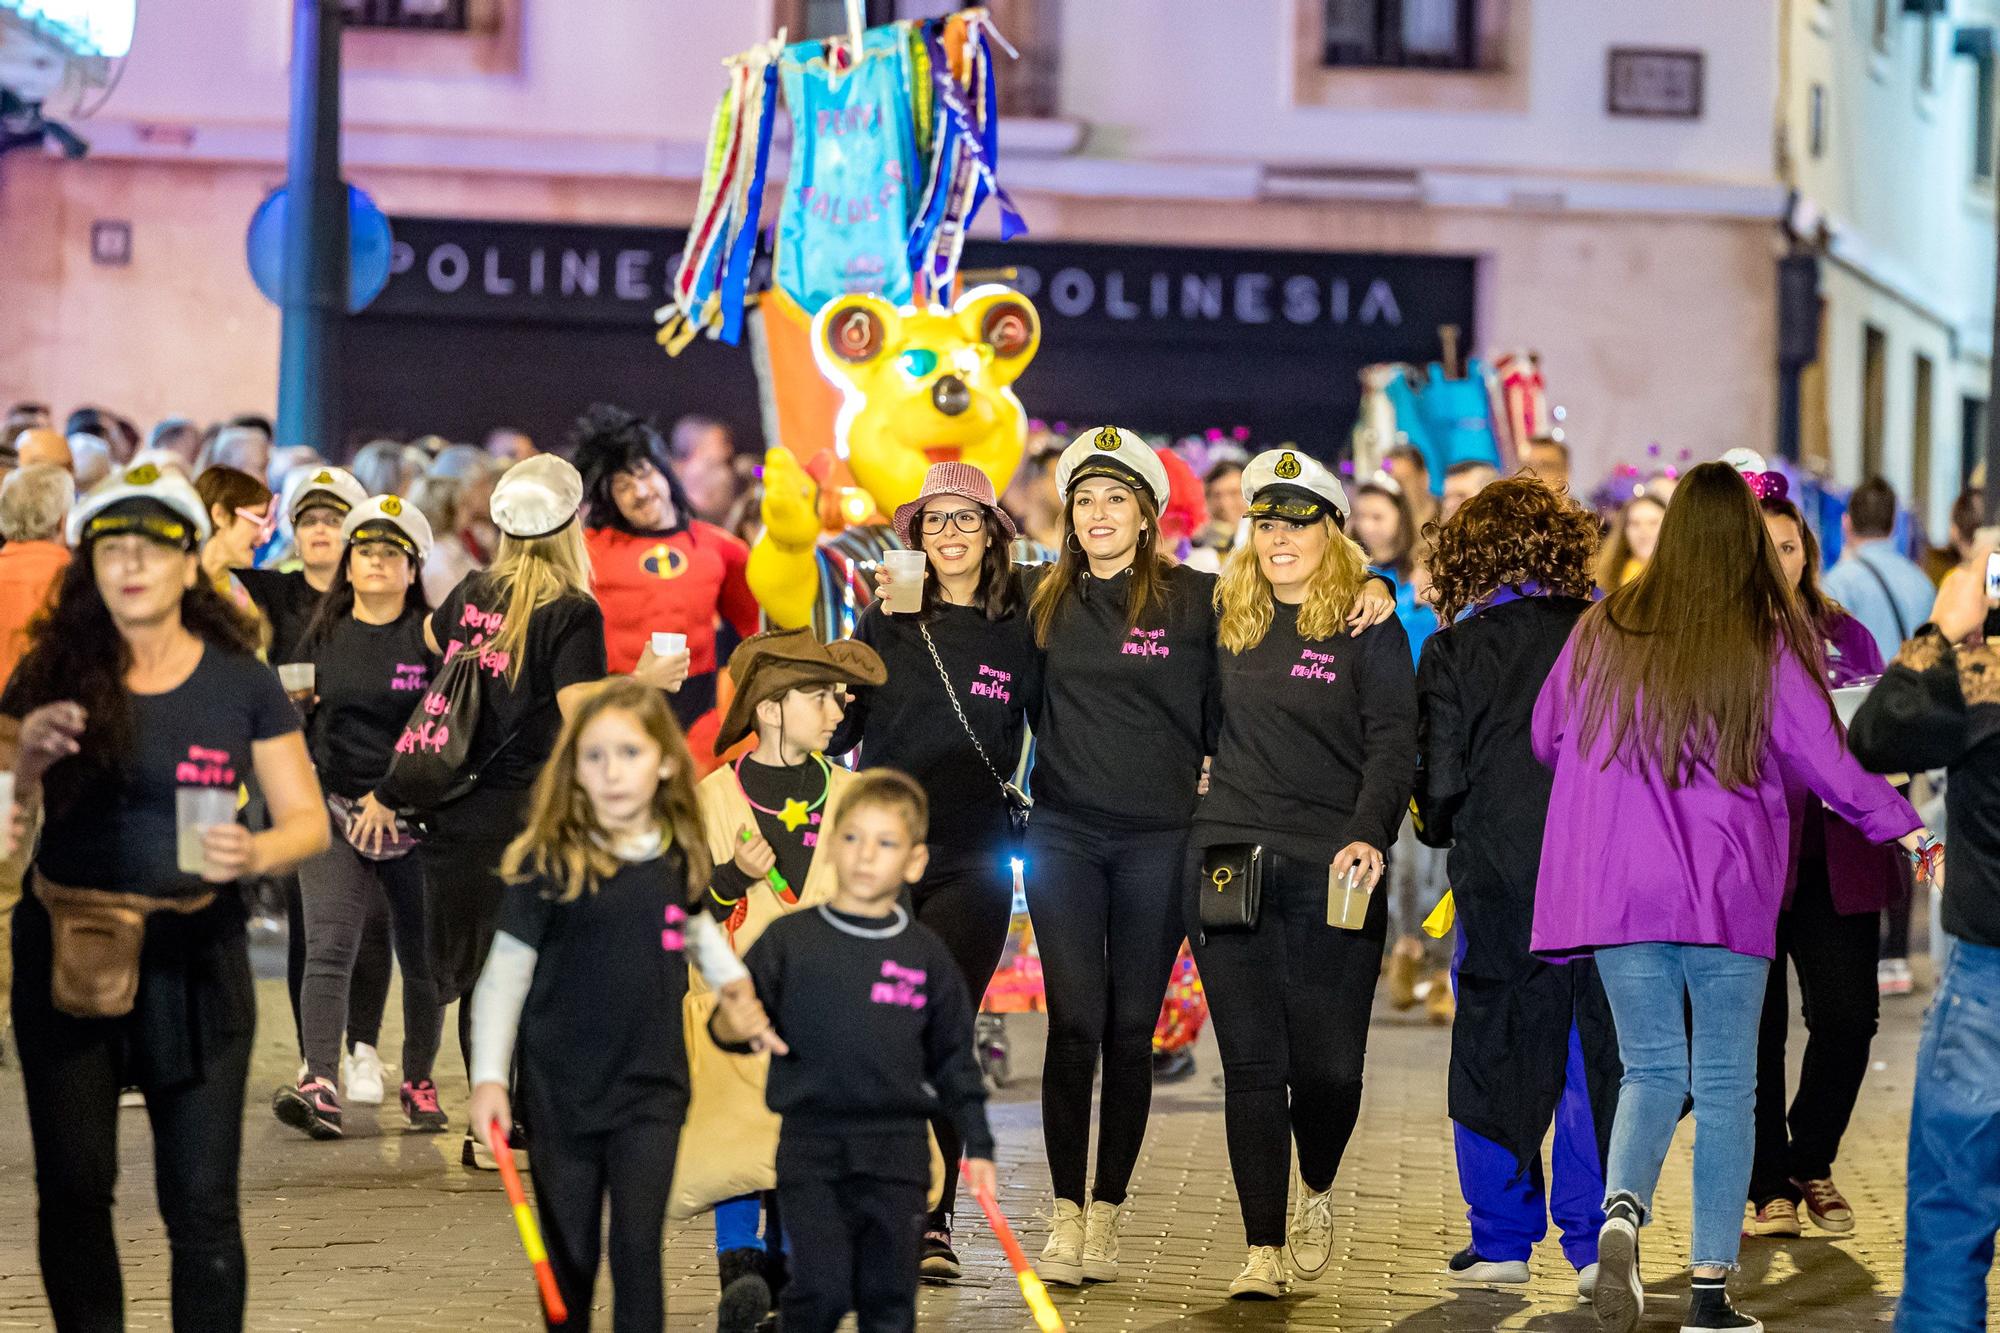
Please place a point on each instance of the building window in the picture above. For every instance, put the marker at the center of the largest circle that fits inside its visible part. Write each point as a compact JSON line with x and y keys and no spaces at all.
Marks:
{"x":1982,"y":123}
{"x":409,"y":15}
{"x":1398,"y":34}
{"x":1874,"y":399}
{"x":1884,"y":26}
{"x":1920,"y":437}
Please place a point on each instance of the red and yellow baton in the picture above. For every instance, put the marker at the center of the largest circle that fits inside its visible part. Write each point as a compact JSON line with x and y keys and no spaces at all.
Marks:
{"x":524,"y":1222}
{"x":1032,"y":1291}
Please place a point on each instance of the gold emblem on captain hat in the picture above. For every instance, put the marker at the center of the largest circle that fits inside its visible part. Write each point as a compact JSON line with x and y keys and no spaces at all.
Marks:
{"x":1109,"y":439}
{"x":323,"y":479}
{"x":391,"y":506}
{"x":1288,"y":466}
{"x":143,"y":475}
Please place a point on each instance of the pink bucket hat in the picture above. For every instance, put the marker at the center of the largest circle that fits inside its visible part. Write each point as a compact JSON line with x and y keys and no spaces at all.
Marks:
{"x":960,"y":479}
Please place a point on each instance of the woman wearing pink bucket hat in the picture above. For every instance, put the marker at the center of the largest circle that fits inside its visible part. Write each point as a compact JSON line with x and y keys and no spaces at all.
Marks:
{"x":962,"y":675}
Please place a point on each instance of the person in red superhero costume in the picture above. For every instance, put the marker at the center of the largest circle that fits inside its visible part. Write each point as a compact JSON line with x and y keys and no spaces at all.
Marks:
{"x":656,"y":568}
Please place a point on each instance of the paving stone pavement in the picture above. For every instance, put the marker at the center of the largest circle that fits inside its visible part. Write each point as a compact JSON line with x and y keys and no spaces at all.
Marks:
{"x":385,"y":1231}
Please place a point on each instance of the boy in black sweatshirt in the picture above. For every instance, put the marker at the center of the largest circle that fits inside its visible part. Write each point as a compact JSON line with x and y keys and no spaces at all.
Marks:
{"x":868,"y":1016}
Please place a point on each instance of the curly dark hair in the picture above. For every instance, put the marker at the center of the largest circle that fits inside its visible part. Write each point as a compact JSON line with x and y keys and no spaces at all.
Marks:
{"x":75,"y":653}
{"x":1513,"y":532}
{"x":610,"y":440}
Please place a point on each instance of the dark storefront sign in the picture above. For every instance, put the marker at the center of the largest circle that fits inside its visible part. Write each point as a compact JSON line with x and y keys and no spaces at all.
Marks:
{"x":1160,"y":338}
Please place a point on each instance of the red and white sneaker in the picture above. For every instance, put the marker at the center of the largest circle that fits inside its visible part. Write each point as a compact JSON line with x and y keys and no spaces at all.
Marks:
{"x":313,"y":1107}
{"x":1826,"y":1207}
{"x":421,"y":1109}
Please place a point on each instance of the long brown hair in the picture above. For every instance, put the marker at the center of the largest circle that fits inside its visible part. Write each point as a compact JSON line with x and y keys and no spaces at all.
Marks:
{"x":563,"y":840}
{"x":998,"y":594}
{"x":1147,"y":590}
{"x":1678,"y":663}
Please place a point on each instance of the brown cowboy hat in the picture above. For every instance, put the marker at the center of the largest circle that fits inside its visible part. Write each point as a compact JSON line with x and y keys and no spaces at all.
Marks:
{"x":765,"y":666}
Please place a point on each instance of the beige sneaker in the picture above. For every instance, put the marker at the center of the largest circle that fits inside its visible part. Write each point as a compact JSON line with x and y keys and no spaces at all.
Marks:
{"x":1062,"y":1257}
{"x":1100,"y":1241}
{"x":1264,"y":1276}
{"x":1309,"y":1239}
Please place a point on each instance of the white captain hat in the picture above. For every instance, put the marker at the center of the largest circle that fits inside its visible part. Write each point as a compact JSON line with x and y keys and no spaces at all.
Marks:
{"x":1293,"y":485}
{"x":324,"y":487}
{"x":144,"y":498}
{"x":390,"y":518}
{"x":1110,"y":452}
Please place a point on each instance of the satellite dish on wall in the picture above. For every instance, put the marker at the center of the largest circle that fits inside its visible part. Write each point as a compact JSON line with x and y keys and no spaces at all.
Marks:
{"x":59,"y":58}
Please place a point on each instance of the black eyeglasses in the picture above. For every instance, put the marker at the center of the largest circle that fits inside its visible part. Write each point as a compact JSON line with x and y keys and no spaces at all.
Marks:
{"x":965,"y":520}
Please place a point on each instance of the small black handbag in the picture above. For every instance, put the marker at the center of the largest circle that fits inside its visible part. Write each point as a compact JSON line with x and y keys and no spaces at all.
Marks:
{"x":1231,"y":888}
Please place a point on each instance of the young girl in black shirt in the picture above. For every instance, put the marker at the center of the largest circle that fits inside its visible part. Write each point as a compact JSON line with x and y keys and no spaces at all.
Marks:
{"x":588,"y":968}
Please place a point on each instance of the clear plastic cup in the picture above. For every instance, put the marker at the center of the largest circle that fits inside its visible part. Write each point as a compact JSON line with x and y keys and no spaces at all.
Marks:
{"x":1347,"y":900}
{"x":668,"y":645}
{"x":297,"y":677}
{"x":906,"y":587}
{"x":6,"y":799}
{"x":197,"y":809}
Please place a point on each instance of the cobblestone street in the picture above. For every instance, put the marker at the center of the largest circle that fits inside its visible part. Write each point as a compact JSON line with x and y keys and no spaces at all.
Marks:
{"x":387,"y":1231}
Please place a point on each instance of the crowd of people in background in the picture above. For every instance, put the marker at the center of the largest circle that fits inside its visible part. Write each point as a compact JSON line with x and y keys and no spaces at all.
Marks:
{"x":1600,"y":741}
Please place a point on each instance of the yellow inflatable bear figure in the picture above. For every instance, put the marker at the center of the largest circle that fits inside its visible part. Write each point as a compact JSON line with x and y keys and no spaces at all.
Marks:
{"x":920,"y":386}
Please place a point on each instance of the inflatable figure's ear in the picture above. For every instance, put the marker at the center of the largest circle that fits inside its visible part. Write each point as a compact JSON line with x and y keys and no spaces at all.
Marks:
{"x":1004,"y":321}
{"x":852,"y":333}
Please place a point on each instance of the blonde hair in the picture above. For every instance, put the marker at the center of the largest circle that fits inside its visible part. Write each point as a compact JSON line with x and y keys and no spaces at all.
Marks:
{"x":563,"y":840}
{"x":1243,"y":595}
{"x":531,"y":573}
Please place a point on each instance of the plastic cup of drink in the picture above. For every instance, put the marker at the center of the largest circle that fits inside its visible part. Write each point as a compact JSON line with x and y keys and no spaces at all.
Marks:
{"x":906,"y":587}
{"x":7,"y":798}
{"x":1347,"y":900}
{"x":669,"y":645}
{"x":196,"y":810}
{"x":297,"y":677}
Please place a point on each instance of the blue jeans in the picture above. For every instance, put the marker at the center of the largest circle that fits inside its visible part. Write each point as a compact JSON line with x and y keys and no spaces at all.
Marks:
{"x":1954,"y":1172}
{"x":1651,"y":987}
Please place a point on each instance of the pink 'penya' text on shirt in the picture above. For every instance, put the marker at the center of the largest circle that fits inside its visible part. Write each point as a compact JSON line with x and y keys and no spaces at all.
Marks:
{"x":992,"y":684}
{"x":205,"y":768}
{"x":483,"y":624}
{"x":409,"y":677}
{"x":1145,"y":643}
{"x":1314,"y":666}
{"x":810,"y":838}
{"x":900,"y":986}
{"x":671,"y":937}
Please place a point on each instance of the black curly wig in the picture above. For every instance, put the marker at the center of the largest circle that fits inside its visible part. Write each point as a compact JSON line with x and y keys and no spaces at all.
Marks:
{"x":610,"y":440}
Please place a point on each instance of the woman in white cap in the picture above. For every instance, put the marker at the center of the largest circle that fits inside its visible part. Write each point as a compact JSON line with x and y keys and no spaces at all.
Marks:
{"x":539,"y":636}
{"x":963,"y":673}
{"x":1129,"y":711}
{"x":1315,"y":767}
{"x":140,"y":684}
{"x":370,"y":666}
{"x":321,"y":498}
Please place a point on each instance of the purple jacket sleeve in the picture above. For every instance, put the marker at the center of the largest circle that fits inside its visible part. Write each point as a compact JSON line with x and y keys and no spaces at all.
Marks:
{"x":1552,"y":710}
{"x":1808,"y":743}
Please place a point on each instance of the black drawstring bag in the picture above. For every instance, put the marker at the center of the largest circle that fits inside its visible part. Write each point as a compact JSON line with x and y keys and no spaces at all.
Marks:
{"x":429,"y":769}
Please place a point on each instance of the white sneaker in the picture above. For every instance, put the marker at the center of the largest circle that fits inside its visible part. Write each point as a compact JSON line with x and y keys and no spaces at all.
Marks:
{"x":1062,"y":1257}
{"x":1309,"y":1239}
{"x":1586,"y":1282}
{"x":1264,"y":1277}
{"x":361,"y":1075}
{"x":130,"y":1098}
{"x":1100,"y":1241}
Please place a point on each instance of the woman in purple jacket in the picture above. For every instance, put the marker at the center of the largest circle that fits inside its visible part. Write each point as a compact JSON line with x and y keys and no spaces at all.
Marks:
{"x":1683,"y":720}
{"x":1830,"y":930}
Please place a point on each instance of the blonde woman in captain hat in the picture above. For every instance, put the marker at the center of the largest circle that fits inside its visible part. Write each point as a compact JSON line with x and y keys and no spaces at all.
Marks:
{"x":539,"y":635}
{"x":1129,"y":712}
{"x":1312,"y":773}
{"x":142,"y":682}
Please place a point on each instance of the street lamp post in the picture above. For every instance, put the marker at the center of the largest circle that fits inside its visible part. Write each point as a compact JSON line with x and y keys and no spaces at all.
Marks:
{"x":316,"y":242}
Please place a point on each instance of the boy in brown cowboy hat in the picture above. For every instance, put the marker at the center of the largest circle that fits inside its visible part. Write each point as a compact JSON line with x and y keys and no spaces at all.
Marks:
{"x":763,"y":814}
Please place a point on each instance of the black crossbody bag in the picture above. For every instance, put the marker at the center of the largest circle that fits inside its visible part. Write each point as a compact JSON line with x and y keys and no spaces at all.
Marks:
{"x":1232,"y":887}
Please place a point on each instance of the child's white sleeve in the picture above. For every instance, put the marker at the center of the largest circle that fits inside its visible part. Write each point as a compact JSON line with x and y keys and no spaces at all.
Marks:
{"x":711,"y":953}
{"x":497,"y":1002}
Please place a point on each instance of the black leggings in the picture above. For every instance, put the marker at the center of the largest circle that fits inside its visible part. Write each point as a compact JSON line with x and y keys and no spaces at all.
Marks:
{"x":1290,"y":1004}
{"x":632,"y":1165}
{"x":461,"y":852}
{"x":853,"y":1207}
{"x":367,"y":992}
{"x":1107,"y":913}
{"x":73,"y":1069}
{"x":1835,"y":957}
{"x":967,"y":897}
